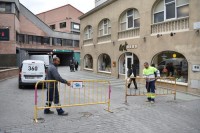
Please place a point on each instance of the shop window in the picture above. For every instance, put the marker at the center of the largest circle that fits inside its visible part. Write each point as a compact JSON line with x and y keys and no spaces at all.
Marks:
{"x":130,"y":20}
{"x":170,"y":9}
{"x":88,"y":62}
{"x":175,"y":63}
{"x":104,"y":63}
{"x":122,"y":64}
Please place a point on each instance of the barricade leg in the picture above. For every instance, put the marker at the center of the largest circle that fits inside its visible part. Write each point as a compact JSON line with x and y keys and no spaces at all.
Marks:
{"x":35,"y":114}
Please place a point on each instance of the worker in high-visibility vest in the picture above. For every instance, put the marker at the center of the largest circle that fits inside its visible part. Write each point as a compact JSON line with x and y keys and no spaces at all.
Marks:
{"x":149,"y":74}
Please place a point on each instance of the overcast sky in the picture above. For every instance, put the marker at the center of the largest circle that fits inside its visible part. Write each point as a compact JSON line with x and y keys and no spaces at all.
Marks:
{"x":38,"y":6}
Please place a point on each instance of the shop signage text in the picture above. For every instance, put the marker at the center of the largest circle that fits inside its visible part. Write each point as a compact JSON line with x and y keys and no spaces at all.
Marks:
{"x":126,"y":46}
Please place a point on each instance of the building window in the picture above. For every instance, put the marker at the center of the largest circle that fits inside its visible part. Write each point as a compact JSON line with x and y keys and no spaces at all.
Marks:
{"x":4,"y":34}
{"x":88,"y":62}
{"x":63,"y":25}
{"x":172,"y":64}
{"x":5,"y":7}
{"x":76,"y":43}
{"x":39,"y":39}
{"x":30,"y":39}
{"x":130,"y":19}
{"x":75,"y":26}
{"x":170,"y":9}
{"x":67,"y":42}
{"x":75,"y":29}
{"x":53,"y":27}
{"x":88,"y":32}
{"x":45,"y":40}
{"x":104,"y":27}
{"x":104,"y":63}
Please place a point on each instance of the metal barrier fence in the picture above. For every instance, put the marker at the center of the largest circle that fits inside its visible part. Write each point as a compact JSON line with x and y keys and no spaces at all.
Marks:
{"x":163,"y":85}
{"x":80,"y":93}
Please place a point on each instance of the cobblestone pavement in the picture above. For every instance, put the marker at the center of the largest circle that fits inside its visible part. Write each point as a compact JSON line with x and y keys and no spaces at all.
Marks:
{"x":165,"y":116}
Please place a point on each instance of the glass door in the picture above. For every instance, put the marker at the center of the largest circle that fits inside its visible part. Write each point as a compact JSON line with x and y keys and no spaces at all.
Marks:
{"x":128,"y":62}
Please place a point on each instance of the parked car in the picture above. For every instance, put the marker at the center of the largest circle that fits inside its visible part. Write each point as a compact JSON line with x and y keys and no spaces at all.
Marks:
{"x":179,"y":64}
{"x":31,"y":71}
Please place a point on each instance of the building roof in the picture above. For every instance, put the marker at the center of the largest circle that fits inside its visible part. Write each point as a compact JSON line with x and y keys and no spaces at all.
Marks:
{"x":97,"y":8}
{"x":60,"y":7}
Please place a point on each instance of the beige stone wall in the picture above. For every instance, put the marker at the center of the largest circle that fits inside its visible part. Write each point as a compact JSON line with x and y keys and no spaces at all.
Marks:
{"x":185,"y":42}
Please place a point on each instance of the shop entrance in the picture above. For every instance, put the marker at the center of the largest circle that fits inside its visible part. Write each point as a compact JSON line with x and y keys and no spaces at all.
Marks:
{"x":128,"y":62}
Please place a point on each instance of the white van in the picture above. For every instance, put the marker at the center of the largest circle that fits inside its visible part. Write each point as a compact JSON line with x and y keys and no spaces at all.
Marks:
{"x":31,"y":71}
{"x":46,"y":58}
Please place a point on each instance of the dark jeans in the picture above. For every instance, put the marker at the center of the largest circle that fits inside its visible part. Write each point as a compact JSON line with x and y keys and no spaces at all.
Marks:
{"x":53,"y":95}
{"x":135,"y":84}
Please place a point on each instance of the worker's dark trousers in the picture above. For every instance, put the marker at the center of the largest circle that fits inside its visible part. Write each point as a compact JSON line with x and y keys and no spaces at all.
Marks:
{"x":53,"y":96}
{"x":150,"y":86}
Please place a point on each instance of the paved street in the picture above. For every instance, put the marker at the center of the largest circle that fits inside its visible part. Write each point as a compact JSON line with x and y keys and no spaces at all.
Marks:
{"x":165,"y":116}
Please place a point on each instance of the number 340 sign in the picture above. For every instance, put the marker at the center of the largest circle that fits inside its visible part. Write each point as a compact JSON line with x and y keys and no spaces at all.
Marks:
{"x":32,"y":68}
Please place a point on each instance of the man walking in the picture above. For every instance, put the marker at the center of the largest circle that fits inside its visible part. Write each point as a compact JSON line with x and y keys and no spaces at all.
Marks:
{"x":149,"y":74}
{"x":52,"y":88}
{"x":132,"y":76}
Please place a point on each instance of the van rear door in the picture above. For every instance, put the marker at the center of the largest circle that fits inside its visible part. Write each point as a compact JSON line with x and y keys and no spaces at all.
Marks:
{"x":32,"y":72}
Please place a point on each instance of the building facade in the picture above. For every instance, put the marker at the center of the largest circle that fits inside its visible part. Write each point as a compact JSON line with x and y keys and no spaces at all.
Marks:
{"x":165,"y":33}
{"x":23,"y":34}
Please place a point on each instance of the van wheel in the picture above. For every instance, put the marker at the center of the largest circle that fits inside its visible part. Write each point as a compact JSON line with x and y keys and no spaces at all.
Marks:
{"x":20,"y":86}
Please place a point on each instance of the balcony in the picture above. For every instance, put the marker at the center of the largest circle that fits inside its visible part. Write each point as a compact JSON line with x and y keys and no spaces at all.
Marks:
{"x":104,"y":38}
{"x":88,"y":41}
{"x":169,"y":26}
{"x":129,"y":33}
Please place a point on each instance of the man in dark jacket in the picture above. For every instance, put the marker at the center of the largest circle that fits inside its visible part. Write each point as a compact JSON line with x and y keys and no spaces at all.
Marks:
{"x":132,"y":71}
{"x":52,"y":93}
